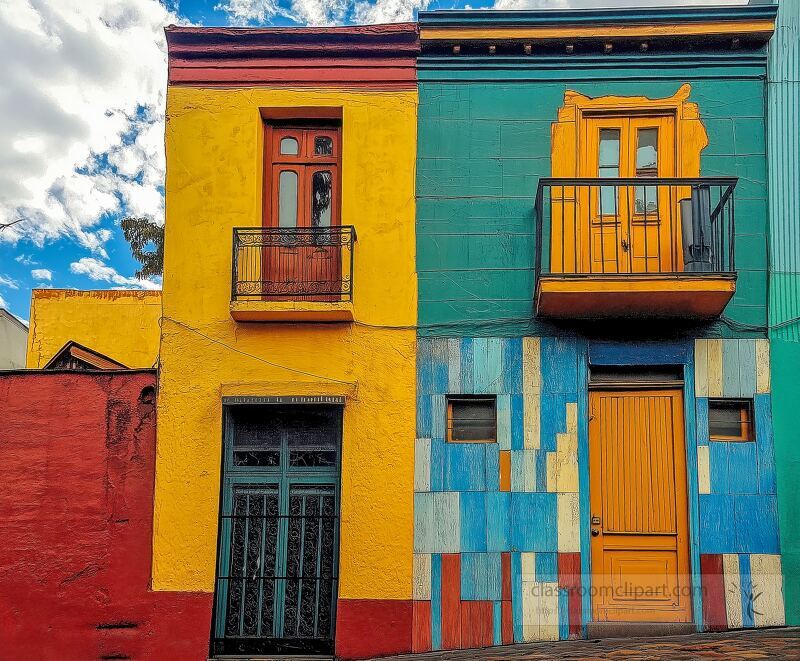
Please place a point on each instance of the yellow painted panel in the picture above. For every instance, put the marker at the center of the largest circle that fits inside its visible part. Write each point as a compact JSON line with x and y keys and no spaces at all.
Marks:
{"x":715,"y":368}
{"x":762,"y":366}
{"x":575,"y":32}
{"x":733,"y":589}
{"x":703,"y":469}
{"x":121,"y":324}
{"x":767,"y":581}
{"x":569,"y":539}
{"x":701,"y":368}
{"x":214,"y":183}
{"x":531,"y":391}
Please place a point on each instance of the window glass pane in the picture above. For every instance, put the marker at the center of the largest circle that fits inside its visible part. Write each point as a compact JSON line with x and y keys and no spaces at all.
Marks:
{"x":646,"y":166}
{"x":323,"y":145}
{"x":321,"y":199}
{"x":609,"y":149}
{"x":289,"y":146}
{"x":312,"y":438}
{"x":730,"y":419}
{"x":287,"y":199}
{"x":472,"y":419}
{"x":608,"y":166}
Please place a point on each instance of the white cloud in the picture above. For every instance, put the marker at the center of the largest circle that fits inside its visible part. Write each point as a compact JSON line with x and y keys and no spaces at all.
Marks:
{"x":26,"y":260}
{"x":6,"y":281}
{"x":3,"y":303}
{"x":82,"y":87}
{"x":42,"y":274}
{"x":99,"y":271}
{"x":321,"y":12}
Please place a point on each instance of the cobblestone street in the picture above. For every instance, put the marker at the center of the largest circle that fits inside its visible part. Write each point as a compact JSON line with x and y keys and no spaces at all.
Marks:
{"x":730,"y":646}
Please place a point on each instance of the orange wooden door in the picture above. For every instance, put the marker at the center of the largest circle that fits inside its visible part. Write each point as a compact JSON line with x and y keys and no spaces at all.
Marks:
{"x":303,"y":194}
{"x":640,"y":532}
{"x":628,"y":229}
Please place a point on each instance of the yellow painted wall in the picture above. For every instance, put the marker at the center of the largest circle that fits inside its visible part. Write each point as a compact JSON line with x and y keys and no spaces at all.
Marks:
{"x":214,"y":178}
{"x":121,"y":324}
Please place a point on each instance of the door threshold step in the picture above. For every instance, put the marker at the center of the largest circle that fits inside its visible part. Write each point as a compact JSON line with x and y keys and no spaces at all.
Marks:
{"x":638,"y":629}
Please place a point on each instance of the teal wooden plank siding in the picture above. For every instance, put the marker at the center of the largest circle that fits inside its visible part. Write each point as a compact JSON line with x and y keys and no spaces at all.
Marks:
{"x":784,"y":191}
{"x":484,"y":142}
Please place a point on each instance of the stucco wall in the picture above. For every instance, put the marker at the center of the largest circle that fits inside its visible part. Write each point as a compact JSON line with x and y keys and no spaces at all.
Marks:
{"x":214,"y":183}
{"x":121,"y":324}
{"x":76,"y":490}
{"x":484,"y":142}
{"x":13,"y":342}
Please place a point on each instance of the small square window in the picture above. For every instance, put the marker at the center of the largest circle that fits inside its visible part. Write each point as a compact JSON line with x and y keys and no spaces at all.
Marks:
{"x":472,"y":419}
{"x":730,"y":420}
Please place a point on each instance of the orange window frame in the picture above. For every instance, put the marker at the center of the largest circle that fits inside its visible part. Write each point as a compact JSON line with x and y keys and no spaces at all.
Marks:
{"x":459,"y":399}
{"x":305,"y":163}
{"x":746,"y":423}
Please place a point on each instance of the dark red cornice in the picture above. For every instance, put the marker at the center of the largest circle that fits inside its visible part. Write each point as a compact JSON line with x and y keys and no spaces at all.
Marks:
{"x":381,"y":56}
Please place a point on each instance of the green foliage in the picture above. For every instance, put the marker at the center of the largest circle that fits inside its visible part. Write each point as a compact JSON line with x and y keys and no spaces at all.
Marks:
{"x":146,"y":240}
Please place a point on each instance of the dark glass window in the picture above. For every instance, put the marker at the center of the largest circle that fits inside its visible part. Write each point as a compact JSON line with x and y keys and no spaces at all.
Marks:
{"x":472,"y":419}
{"x":730,"y":420}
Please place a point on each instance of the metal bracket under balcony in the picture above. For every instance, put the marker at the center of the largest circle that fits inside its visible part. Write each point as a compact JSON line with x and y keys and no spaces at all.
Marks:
{"x":293,"y":274}
{"x":635,"y":247}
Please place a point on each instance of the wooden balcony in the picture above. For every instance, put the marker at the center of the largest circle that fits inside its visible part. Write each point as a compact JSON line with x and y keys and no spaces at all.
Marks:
{"x":655,"y":248}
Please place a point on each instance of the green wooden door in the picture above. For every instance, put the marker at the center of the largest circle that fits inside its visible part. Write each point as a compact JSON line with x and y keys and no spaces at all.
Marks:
{"x":278,"y":543}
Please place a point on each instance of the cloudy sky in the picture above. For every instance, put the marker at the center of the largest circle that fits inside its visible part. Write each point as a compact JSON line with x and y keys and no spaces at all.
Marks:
{"x":82,"y":91}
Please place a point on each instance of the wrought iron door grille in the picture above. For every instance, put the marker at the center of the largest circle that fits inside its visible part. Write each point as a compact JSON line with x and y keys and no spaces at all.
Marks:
{"x":293,"y":263}
{"x":280,"y":596}
{"x":645,"y":225}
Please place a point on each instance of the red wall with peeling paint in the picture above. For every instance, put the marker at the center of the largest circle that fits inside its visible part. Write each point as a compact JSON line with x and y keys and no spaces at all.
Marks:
{"x":76,"y":510}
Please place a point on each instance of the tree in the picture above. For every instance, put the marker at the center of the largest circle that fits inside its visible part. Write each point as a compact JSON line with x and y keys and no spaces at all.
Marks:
{"x":146,"y":240}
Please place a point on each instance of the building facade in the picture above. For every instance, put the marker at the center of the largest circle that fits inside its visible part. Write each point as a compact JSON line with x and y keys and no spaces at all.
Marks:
{"x":13,"y":341}
{"x":583,"y":335}
{"x":464,"y":340}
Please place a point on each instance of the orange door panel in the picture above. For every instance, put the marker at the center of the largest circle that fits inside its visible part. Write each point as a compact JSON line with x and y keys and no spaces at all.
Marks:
{"x":620,"y":229}
{"x":640,"y":533}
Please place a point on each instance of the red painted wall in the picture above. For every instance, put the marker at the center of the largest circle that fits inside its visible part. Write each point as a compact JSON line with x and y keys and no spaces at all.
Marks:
{"x":76,"y":518}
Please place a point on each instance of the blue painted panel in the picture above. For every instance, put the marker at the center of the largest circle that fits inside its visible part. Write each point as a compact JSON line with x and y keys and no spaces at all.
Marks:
{"x":467,"y":366}
{"x":498,"y":521}
{"x":424,"y":423}
{"x":512,"y":366}
{"x":547,"y":567}
{"x":497,"y":621}
{"x":746,"y":583}
{"x":541,"y":470}
{"x":756,"y":520}
{"x":480,"y":367}
{"x":559,"y":364}
{"x":424,"y":367}
{"x":494,"y":365}
{"x":747,"y":367}
{"x":640,"y":353}
{"x":472,"y":505}
{"x":563,"y":614}
{"x":438,"y":464}
{"x":438,"y":416}
{"x":702,"y":420}
{"x":765,"y":444}
{"x":553,"y":418}
{"x":440,"y":368}
{"x":516,"y":595}
{"x":492,"y":467}
{"x":716,"y":529}
{"x":504,"y":422}
{"x":466,"y":467}
{"x":742,"y":468}
{"x":453,"y":365}
{"x":730,"y":368}
{"x":583,"y":487}
{"x":517,"y":422}
{"x":718,"y":461}
{"x":481,"y":576}
{"x":534,"y":522}
{"x":518,"y":470}
{"x":436,"y":601}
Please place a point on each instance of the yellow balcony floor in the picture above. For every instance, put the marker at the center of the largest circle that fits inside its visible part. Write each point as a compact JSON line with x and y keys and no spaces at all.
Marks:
{"x":631,"y":295}
{"x":292,"y":311}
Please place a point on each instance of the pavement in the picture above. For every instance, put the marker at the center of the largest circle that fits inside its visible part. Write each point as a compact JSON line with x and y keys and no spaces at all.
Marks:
{"x":783,"y":643}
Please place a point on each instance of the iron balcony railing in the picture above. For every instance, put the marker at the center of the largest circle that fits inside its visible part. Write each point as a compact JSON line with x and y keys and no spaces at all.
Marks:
{"x":297,"y":263}
{"x":614,"y":226}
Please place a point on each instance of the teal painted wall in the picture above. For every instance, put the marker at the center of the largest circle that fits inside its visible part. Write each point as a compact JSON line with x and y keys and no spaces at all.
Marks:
{"x":784,"y":192}
{"x":484,"y":141}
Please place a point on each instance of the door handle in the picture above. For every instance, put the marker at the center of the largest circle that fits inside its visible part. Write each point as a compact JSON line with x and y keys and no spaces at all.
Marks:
{"x":595,"y":532}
